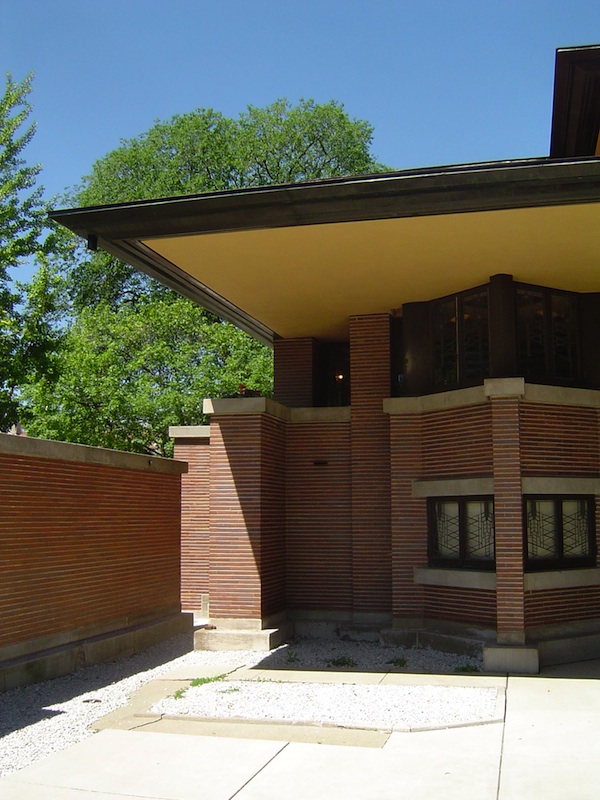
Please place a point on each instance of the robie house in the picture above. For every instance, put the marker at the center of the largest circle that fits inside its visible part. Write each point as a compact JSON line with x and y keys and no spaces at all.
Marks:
{"x":430,"y":463}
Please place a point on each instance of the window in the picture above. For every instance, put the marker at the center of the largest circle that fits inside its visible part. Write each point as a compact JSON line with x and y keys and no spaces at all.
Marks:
{"x":461,"y":532}
{"x":547,"y":342}
{"x":460,"y":339}
{"x":559,"y":532}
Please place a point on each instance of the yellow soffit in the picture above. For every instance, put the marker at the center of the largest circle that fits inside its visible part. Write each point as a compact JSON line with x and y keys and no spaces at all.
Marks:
{"x":308,"y":280}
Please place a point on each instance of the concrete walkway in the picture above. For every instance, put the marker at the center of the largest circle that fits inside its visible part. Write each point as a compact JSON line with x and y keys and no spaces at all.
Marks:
{"x":545,"y":744}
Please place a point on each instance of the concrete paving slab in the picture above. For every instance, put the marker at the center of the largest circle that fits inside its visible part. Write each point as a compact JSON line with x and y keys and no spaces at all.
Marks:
{"x":552,"y":740}
{"x":582,"y":669}
{"x":420,"y":766}
{"x":311,"y":734}
{"x":161,"y":767}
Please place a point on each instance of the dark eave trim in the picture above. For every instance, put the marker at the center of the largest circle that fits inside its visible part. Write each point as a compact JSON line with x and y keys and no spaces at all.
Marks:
{"x":445,"y":190}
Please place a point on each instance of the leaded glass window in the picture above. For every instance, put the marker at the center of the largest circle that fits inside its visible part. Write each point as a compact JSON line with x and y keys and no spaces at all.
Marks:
{"x":461,"y":532}
{"x":559,"y":531}
{"x":547,"y":341}
{"x":460,"y":339}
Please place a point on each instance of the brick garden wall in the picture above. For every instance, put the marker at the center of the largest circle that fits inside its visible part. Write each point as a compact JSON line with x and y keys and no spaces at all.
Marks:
{"x":85,"y":548}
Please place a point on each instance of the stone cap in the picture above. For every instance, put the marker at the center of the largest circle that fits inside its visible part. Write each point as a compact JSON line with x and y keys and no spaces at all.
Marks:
{"x":85,"y":454}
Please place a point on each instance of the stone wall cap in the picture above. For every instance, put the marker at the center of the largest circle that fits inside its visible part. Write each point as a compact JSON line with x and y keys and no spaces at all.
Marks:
{"x":189,"y":431}
{"x":30,"y":447}
{"x":245,"y":405}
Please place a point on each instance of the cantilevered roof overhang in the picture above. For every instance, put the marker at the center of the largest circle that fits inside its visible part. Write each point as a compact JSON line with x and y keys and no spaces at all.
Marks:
{"x":299,"y":260}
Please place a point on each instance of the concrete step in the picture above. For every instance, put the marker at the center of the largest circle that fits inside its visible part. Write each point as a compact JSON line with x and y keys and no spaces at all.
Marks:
{"x":208,"y":638}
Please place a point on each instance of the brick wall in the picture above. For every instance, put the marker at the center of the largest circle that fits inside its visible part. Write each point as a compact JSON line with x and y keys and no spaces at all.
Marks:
{"x":469,"y":606}
{"x":409,"y":516}
{"x":272,"y":482}
{"x":194,"y":520}
{"x":234,"y":552}
{"x":555,"y":606}
{"x":84,"y":547}
{"x":508,"y":519}
{"x":458,"y":442}
{"x":318,"y":517}
{"x":247,"y":516}
{"x":559,"y":440}
{"x":371,"y":522}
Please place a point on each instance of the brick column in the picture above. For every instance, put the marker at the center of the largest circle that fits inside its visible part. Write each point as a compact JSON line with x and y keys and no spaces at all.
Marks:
{"x":409,"y":518}
{"x":247,"y":510}
{"x":508,"y":509}
{"x":192,"y":444}
{"x":371,"y":536}
{"x":294,"y":372}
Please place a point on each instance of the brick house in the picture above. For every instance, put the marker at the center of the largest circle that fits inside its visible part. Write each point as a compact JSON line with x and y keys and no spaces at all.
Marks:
{"x":430,"y":462}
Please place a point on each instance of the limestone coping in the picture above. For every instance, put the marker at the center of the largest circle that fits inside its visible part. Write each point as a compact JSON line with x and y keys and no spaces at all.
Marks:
{"x":189,"y":431}
{"x":84,"y":454}
{"x":264,"y":405}
{"x":494,"y":387}
{"x":561,"y":579}
{"x":456,"y":578}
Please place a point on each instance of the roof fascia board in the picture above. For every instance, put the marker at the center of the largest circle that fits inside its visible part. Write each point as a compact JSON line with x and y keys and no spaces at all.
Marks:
{"x":448,"y":190}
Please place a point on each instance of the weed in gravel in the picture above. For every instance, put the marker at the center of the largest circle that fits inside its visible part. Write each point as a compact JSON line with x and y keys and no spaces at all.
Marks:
{"x":397,"y":662}
{"x":202,"y":681}
{"x":291,"y":657}
{"x":342,"y":661}
{"x":467,"y":668}
{"x":179,"y":693}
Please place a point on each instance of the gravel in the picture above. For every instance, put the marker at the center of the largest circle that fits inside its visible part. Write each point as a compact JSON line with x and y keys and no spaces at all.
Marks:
{"x":345,"y":705}
{"x":38,"y":720}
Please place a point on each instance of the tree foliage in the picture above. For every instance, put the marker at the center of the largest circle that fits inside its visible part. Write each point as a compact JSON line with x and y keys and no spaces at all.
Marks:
{"x":28,"y":339}
{"x":205,"y":151}
{"x":127,"y":374}
{"x":136,"y":358}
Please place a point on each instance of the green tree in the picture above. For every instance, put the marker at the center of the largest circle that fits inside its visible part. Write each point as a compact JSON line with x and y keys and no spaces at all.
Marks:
{"x":127,"y":374}
{"x":205,"y":151}
{"x":136,"y":358}
{"x":27,"y":338}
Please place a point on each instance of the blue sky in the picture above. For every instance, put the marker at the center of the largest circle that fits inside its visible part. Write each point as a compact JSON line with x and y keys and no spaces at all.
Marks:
{"x":442,"y":82}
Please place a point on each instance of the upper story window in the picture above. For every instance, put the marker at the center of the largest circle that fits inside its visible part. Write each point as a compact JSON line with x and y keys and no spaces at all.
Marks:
{"x":460,"y":339}
{"x":502,"y":329}
{"x":547,"y":335}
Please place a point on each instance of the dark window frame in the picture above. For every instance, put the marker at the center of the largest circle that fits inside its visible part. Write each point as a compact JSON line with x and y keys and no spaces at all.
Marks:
{"x":550,"y":370}
{"x":458,"y":299}
{"x":463,"y":561}
{"x":560,"y":561}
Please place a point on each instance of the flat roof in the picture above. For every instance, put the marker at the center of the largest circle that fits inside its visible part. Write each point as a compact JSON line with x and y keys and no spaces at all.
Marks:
{"x":298,"y":260}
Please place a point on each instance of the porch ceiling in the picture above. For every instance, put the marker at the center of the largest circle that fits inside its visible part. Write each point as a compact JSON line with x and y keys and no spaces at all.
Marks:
{"x":308,"y":280}
{"x":299,"y":260}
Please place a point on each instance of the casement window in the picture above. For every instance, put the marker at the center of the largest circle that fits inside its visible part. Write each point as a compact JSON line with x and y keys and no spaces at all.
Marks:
{"x":461,"y":532}
{"x":460,"y":339}
{"x":547,"y":335}
{"x":559,"y":532}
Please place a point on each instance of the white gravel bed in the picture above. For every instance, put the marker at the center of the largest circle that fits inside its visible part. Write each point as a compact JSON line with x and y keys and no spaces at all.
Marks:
{"x":44,"y":718}
{"x":345,"y":705}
